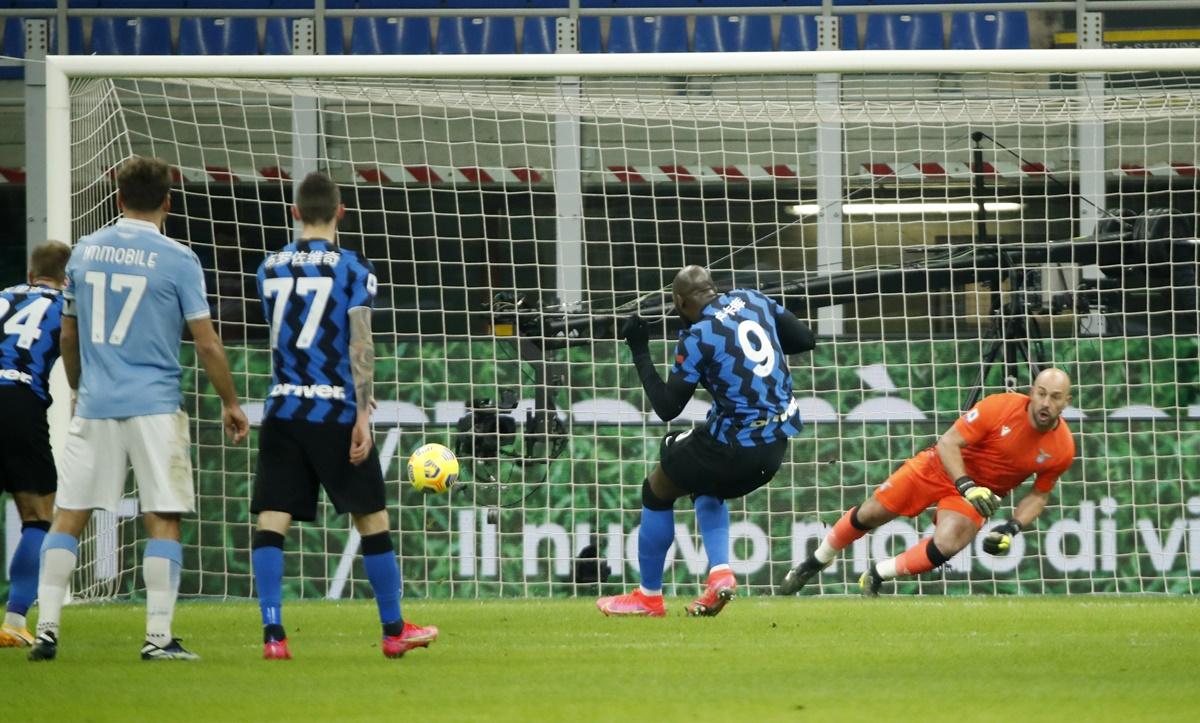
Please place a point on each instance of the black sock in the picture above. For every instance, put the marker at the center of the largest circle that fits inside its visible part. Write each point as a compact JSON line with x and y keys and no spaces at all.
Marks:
{"x":391,"y":629}
{"x":272,"y":633}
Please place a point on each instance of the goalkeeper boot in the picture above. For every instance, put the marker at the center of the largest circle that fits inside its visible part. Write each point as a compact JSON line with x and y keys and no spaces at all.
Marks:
{"x":13,"y":637}
{"x":412,"y":636}
{"x":171,"y":651}
{"x":636,"y":604}
{"x":720,"y":589}
{"x":45,"y":647}
{"x":800,"y":575}
{"x":870,"y":582}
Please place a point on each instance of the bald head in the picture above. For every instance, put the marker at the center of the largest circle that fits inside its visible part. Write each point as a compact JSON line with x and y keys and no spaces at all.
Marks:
{"x":1048,"y":397}
{"x":693,"y":288}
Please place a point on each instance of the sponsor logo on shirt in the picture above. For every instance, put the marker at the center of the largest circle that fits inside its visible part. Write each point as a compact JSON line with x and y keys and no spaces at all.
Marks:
{"x":309,"y":391}
{"x":1043,"y":455}
{"x":972,"y":415}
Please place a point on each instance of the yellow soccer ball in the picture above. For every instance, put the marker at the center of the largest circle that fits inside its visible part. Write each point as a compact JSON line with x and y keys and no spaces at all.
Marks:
{"x":433,"y":468}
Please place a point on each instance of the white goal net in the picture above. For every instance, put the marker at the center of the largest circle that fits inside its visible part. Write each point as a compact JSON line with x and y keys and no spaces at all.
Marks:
{"x":943,"y":232}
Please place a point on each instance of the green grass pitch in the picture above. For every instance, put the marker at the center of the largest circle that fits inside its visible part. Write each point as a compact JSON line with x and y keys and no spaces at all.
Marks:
{"x":1004,"y":659}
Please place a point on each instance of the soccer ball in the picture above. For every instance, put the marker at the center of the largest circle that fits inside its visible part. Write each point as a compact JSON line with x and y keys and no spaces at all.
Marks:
{"x":433,"y":468}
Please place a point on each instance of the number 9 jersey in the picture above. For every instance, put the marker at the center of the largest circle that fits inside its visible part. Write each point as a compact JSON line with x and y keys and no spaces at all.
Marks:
{"x":734,"y":352}
{"x":308,"y":289}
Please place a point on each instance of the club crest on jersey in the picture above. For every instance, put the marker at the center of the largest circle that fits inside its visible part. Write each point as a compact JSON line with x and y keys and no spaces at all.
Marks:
{"x":732,"y":309}
{"x":1004,"y":430}
{"x":1043,"y":455}
{"x":309,"y":391}
{"x":972,"y":415}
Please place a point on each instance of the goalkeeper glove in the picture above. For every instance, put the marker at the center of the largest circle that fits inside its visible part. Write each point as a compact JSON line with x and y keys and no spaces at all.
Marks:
{"x":1000,"y":538}
{"x":982,"y":499}
{"x":636,"y":334}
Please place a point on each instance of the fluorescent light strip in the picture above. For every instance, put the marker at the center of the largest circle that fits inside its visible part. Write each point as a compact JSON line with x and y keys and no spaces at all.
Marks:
{"x":907,"y":209}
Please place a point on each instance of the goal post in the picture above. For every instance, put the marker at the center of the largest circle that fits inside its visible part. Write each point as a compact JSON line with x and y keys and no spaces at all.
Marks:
{"x":969,"y":256}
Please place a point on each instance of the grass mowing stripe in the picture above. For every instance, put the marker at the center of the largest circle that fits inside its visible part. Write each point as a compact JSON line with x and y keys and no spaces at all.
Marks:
{"x":1090,"y":658}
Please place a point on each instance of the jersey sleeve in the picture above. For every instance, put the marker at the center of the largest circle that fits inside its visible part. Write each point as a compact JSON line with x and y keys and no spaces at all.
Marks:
{"x":982,"y":418}
{"x":690,"y":357}
{"x":363,"y":284}
{"x":189,"y":284}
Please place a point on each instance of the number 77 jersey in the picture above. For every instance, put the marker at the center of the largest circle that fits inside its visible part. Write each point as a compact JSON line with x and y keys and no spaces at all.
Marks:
{"x":131,"y":289}
{"x":308,"y":289}
{"x":734,"y":352}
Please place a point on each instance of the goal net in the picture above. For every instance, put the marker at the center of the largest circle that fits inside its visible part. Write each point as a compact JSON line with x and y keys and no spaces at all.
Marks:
{"x":944,"y":232}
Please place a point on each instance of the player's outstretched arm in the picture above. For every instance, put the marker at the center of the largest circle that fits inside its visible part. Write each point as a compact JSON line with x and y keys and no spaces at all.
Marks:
{"x":949,"y":448}
{"x":362,"y":369}
{"x":212,"y":355}
{"x":1028,"y":509}
{"x":794,"y":335}
{"x":667,"y":398}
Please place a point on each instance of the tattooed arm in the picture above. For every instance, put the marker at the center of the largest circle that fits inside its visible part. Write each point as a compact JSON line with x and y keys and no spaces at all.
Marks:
{"x":362,"y":369}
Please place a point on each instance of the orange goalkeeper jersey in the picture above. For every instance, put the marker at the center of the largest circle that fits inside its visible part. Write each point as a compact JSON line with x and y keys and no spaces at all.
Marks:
{"x":1004,"y":448}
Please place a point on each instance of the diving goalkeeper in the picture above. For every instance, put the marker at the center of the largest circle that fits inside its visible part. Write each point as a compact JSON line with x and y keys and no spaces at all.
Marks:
{"x":988,"y":452}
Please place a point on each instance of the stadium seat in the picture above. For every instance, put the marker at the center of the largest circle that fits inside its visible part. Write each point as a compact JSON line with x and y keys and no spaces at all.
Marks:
{"x":648,"y":34}
{"x":390,"y":36}
{"x":538,"y":35}
{"x":989,"y":30}
{"x":799,"y":32}
{"x":921,"y":31}
{"x":218,"y":36}
{"x":733,"y":33}
{"x":472,"y":36}
{"x":131,"y":36}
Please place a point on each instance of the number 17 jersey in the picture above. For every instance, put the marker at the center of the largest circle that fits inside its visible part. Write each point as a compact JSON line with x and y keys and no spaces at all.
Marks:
{"x":308,"y":289}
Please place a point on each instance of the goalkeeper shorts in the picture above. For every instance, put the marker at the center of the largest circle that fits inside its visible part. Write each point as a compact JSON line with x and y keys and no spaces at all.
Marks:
{"x":911,"y":490}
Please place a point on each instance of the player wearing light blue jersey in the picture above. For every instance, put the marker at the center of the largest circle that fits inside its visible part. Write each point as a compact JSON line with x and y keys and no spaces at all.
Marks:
{"x":130,"y":290}
{"x":30,"y":321}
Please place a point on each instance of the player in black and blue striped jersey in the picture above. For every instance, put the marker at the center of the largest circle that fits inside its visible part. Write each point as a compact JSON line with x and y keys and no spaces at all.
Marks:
{"x":317,"y":297}
{"x":30,"y":325}
{"x":735,"y":346}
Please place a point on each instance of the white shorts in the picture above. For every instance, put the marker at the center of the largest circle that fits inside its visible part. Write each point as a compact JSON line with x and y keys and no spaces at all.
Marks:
{"x":97,"y":454}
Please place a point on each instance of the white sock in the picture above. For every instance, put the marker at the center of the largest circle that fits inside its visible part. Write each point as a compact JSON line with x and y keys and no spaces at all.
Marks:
{"x":887,"y":568}
{"x":650,"y":593}
{"x":825,"y":552}
{"x":14,"y":620}
{"x":162,"y":587}
{"x":57,"y":565}
{"x":719,"y":568}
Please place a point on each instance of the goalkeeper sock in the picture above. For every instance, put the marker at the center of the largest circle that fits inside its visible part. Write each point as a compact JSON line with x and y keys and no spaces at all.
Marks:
{"x":712,"y":517}
{"x":59,"y":555}
{"x":654,"y":539}
{"x":922,"y":557}
{"x":267,"y":557}
{"x":845,"y":531}
{"x":160,"y":568}
{"x":24,"y":570}
{"x":379,"y":558}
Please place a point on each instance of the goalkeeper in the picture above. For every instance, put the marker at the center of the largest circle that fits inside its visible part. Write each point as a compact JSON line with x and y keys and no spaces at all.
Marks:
{"x":988,"y":452}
